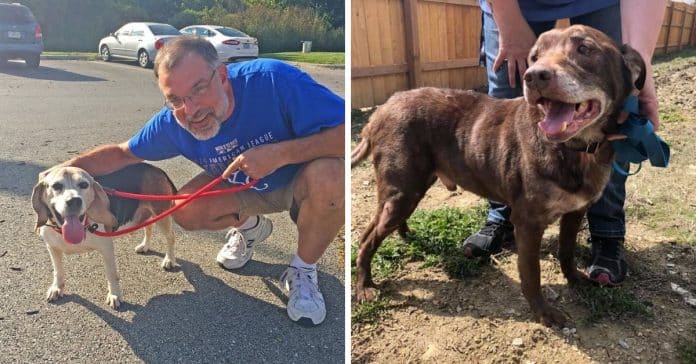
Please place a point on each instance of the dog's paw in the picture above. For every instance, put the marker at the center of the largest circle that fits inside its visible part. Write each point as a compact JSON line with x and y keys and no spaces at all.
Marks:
{"x":549,"y":315}
{"x":142,"y":248}
{"x":577,"y":277}
{"x":53,"y":293}
{"x":169,"y":263}
{"x":113,"y":300}
{"x":366,"y":294}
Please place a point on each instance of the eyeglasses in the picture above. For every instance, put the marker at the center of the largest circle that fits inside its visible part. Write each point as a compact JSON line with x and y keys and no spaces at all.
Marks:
{"x":176,"y":103}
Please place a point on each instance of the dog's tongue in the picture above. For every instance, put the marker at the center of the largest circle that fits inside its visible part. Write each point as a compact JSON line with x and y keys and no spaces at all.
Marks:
{"x":73,"y":231}
{"x":559,"y":113}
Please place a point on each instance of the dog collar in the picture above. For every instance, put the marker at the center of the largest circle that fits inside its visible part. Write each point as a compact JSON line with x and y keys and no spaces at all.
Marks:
{"x":641,"y":142}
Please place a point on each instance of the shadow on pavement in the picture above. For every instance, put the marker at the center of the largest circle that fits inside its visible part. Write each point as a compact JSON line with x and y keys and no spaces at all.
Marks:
{"x":18,"y":177}
{"x":19,"y":69}
{"x":216,"y":323}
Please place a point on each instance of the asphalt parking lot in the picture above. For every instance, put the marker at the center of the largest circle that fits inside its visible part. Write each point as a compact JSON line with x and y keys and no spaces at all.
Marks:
{"x":198,"y":313}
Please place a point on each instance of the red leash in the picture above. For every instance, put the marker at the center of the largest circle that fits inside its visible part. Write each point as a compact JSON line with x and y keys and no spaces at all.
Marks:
{"x":187,"y":198}
{"x":138,"y":196}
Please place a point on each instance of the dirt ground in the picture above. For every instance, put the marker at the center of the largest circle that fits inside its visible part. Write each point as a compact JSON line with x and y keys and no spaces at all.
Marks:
{"x":432,"y":318}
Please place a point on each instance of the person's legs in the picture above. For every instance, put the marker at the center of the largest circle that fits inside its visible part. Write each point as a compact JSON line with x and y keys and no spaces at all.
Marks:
{"x":498,"y":229}
{"x":606,"y":218}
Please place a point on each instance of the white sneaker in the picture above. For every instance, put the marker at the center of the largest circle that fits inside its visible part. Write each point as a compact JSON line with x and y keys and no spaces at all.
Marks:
{"x":240,"y":244}
{"x":304,"y":300}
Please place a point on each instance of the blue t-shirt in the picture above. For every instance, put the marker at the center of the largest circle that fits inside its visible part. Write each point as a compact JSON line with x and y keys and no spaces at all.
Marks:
{"x":273,"y":101}
{"x":551,"y":10}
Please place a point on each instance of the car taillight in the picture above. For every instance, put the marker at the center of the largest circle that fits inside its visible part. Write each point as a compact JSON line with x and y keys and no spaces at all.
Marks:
{"x":231,"y":42}
{"x":159,"y":43}
{"x":37,"y":32}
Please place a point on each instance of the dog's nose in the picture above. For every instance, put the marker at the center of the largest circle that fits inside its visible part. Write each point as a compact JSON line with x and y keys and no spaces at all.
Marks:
{"x":538,"y":77}
{"x":74,"y":202}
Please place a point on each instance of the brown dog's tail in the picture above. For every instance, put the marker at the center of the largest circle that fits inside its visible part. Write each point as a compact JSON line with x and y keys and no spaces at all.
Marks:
{"x":360,"y":152}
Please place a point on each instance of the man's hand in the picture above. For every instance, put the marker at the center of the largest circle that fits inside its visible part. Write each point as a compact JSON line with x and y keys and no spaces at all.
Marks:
{"x":515,"y":44}
{"x":256,"y":163}
{"x":648,"y":101}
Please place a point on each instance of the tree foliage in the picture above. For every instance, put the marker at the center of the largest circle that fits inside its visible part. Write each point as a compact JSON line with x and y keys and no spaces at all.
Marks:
{"x":78,"y":25}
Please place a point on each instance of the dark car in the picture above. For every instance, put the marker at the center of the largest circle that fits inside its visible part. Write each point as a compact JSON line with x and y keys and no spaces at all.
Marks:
{"x":20,"y":35}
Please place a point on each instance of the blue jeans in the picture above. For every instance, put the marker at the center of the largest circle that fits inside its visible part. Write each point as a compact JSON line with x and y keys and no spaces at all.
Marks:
{"x":606,"y":217}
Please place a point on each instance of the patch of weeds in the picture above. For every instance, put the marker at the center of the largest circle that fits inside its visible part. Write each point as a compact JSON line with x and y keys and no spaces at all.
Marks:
{"x":606,"y":302}
{"x":671,"y":114}
{"x":436,"y":238}
{"x":369,"y":312}
{"x":389,"y":258}
{"x":637,"y":211}
{"x":686,"y":348}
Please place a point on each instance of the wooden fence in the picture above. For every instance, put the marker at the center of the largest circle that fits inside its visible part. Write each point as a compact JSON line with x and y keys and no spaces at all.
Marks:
{"x":403,"y":44}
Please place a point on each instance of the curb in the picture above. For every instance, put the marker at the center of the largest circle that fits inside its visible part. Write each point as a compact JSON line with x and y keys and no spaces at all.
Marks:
{"x":69,"y":57}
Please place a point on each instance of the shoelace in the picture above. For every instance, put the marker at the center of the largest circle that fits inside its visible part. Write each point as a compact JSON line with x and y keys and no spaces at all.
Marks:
{"x":238,"y":247}
{"x":303,"y":283}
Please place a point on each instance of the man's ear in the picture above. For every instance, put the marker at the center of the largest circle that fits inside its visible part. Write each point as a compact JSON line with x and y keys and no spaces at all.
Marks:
{"x":37,"y":202}
{"x":99,"y":209}
{"x":634,"y":66}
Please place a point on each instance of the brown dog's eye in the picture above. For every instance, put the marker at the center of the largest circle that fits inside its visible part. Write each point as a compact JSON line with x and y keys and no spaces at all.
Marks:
{"x":584,"y":50}
{"x":533,"y":57}
{"x":57,"y":186}
{"x":83,"y":185}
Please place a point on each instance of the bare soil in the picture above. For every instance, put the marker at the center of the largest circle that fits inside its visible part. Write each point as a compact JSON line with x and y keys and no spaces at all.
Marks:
{"x":433,"y":318}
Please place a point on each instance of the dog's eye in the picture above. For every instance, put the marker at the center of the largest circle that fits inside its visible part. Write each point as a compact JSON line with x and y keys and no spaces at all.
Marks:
{"x":584,"y":50}
{"x":533,"y":57}
{"x":57,"y":186}
{"x":83,"y":185}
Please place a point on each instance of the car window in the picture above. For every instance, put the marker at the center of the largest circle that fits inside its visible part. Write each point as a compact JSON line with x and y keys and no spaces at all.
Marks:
{"x":138,"y":33}
{"x":202,"y":32}
{"x":163,"y":29}
{"x":15,"y":15}
{"x":187,"y":31}
{"x":231,"y":32}
{"x":125,"y":30}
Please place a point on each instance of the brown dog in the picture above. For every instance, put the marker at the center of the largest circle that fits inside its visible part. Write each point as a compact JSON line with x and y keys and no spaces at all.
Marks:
{"x":544,"y":155}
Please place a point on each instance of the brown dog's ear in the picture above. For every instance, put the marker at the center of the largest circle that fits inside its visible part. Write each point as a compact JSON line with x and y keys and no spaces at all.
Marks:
{"x":37,"y":202}
{"x":99,"y":209}
{"x":634,"y":66}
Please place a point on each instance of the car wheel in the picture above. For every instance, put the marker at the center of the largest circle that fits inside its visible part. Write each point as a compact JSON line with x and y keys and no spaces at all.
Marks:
{"x":33,"y":61}
{"x":105,"y":53}
{"x":143,"y":59}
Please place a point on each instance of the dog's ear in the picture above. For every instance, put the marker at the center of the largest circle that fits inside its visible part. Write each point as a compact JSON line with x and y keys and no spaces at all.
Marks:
{"x":37,"y":202}
{"x":99,"y":209}
{"x":634,"y":66}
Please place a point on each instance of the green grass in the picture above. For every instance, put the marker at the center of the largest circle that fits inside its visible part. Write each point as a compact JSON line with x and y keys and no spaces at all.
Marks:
{"x":686,"y":348}
{"x":334,"y":58}
{"x":435,"y":239}
{"x":86,"y":55}
{"x":369,"y":312}
{"x":605,"y":302}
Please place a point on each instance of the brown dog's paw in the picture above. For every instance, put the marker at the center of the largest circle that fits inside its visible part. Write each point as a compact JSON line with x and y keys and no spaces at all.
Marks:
{"x":366,"y":294}
{"x":577,"y":277}
{"x":550,"y":315}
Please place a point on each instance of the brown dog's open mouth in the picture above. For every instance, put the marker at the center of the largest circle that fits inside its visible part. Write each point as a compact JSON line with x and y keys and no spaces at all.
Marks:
{"x":563,"y":120}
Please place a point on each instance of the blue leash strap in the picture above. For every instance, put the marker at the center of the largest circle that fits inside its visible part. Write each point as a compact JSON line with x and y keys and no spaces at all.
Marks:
{"x":641,"y":142}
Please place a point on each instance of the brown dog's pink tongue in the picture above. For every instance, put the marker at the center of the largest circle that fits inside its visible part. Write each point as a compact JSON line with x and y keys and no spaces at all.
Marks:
{"x":558,"y":113}
{"x":73,"y":231}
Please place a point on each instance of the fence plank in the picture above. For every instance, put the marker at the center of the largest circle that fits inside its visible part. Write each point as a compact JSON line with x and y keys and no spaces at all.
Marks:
{"x":669,"y":26}
{"x":413,"y":55}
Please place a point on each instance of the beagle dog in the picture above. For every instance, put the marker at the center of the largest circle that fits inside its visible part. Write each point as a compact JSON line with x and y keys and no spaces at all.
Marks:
{"x":68,"y":199}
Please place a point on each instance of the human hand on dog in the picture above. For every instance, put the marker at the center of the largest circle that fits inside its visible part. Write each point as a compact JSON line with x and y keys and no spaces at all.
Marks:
{"x":648,"y":105}
{"x":515,"y":44}
{"x":256,"y":163}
